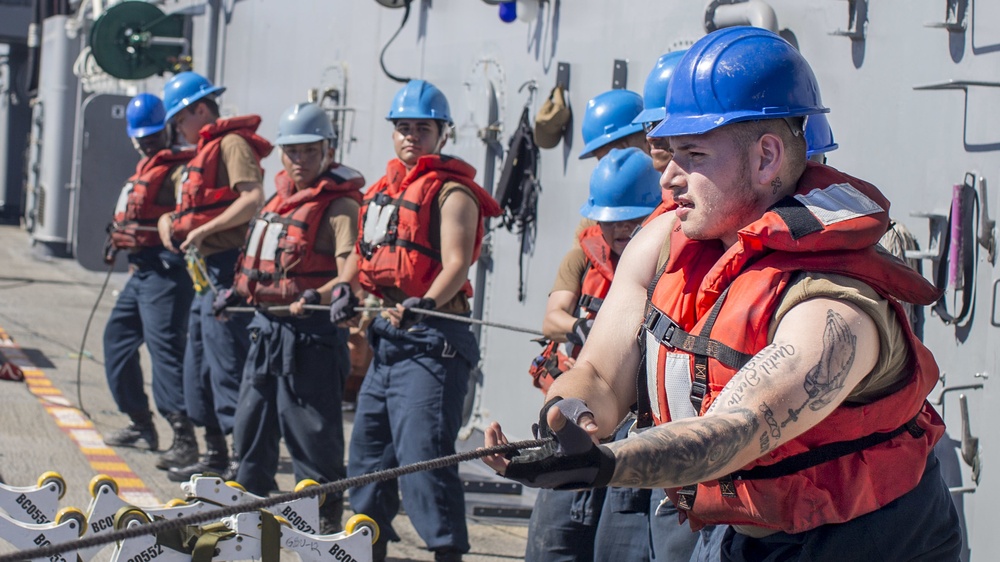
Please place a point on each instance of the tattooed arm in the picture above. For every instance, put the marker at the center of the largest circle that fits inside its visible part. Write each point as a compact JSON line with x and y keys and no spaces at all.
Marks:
{"x":821,"y":350}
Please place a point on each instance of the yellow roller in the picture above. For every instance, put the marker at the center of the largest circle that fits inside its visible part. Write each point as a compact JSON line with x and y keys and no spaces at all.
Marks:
{"x":55,"y":478}
{"x":99,"y":481}
{"x":361,"y":520}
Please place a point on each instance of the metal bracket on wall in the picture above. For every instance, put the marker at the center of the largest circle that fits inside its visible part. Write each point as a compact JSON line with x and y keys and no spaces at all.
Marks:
{"x":994,"y":316}
{"x":938,"y":230}
{"x":562,"y":75}
{"x":857,"y":21}
{"x":964,"y":85}
{"x":954,"y":18}
{"x":619,"y":76}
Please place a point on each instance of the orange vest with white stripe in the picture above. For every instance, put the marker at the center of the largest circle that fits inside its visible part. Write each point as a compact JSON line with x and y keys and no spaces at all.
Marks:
{"x":137,"y":205}
{"x":394,"y":238}
{"x":709,"y":313}
{"x":601,"y":263}
{"x":280,"y":260}
{"x":201,"y":199}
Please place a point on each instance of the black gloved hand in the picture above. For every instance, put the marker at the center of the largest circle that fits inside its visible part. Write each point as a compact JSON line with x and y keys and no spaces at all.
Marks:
{"x":342,"y":303}
{"x":581,"y":329}
{"x":310,"y":296}
{"x":410,"y":316}
{"x":570,"y":462}
{"x":223,"y":300}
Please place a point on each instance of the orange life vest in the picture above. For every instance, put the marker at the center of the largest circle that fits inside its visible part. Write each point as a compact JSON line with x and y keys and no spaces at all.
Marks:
{"x":137,"y":205}
{"x":596,"y":281}
{"x":601,"y":264}
{"x":709,"y":313}
{"x":280,"y":260}
{"x":201,"y":199}
{"x":394,"y":239}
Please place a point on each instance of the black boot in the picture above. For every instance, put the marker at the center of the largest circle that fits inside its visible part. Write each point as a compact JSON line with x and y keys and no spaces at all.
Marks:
{"x":215,"y":460}
{"x":234,"y":466}
{"x":184,"y":449}
{"x":447,"y":555}
{"x":141,"y":433}
{"x":331,"y":513}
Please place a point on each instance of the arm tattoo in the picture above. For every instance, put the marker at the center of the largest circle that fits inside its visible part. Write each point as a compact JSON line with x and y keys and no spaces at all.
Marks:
{"x":684,"y":452}
{"x":765,"y":363}
{"x":825,"y":380}
{"x":772,"y":425}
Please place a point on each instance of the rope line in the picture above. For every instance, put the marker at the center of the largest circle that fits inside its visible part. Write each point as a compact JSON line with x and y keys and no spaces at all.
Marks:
{"x":435,"y":313}
{"x":163,"y":525}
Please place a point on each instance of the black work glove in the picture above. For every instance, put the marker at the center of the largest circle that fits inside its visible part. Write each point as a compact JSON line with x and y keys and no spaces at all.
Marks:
{"x":310,"y":296}
{"x":570,"y":462}
{"x":342,"y":303}
{"x":410,"y":316}
{"x":581,"y":329}
{"x":223,"y":300}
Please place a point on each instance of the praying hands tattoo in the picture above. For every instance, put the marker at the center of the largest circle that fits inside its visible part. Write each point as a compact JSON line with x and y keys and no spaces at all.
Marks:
{"x":825,"y":380}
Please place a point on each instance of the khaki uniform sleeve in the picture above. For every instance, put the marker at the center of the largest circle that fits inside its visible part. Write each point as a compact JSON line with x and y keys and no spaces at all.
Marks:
{"x":569,"y":276}
{"x":170,"y":190}
{"x":238,"y":162}
{"x":890,"y":367}
{"x":339,"y":229}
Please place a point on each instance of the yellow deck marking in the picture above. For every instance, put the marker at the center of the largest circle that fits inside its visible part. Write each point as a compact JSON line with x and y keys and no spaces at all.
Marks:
{"x":81,"y":430}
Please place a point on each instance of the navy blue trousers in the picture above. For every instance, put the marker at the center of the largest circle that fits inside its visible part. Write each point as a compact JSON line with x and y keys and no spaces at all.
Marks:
{"x":151,"y":309}
{"x":292,"y":386}
{"x":409,"y":409}
{"x":920,"y":525}
{"x":563,"y":526}
{"x":216,"y":352}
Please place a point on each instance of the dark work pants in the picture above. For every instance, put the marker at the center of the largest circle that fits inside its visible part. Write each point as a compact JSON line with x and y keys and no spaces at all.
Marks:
{"x":563,"y":525}
{"x":216,"y":352}
{"x":409,"y":410}
{"x":920,"y":525}
{"x":151,"y":309}
{"x":292,"y":385}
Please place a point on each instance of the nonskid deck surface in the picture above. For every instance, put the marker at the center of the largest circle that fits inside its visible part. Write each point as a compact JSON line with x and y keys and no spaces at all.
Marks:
{"x":44,"y":306}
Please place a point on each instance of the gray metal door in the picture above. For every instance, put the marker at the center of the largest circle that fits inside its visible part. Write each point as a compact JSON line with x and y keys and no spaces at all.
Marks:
{"x":107,"y":160}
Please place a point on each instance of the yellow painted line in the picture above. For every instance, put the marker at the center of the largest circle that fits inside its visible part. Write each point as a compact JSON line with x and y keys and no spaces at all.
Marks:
{"x":81,"y":430}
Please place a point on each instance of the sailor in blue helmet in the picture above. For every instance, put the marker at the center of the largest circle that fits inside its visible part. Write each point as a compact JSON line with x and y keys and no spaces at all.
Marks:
{"x":220,"y":194}
{"x":624,"y":189}
{"x":784,"y":393}
{"x":819,"y":138}
{"x":298,"y":360}
{"x":607,"y":123}
{"x":654,"y":101}
{"x":421,"y":229}
{"x":631,"y":512}
{"x":152,"y":308}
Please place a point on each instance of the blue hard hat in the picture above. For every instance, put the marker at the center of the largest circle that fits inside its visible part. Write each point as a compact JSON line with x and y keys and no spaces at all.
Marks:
{"x":819,"y":135}
{"x":738,"y":74}
{"x":623,"y":186}
{"x":654,"y":94}
{"x":184,"y":89}
{"x":144,"y":116}
{"x":303,"y":123}
{"x":420,"y":99}
{"x":608,"y":117}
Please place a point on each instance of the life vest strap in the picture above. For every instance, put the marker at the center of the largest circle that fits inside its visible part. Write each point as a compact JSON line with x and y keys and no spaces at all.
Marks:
{"x":590,"y":303}
{"x":200,"y":208}
{"x":825,"y":453}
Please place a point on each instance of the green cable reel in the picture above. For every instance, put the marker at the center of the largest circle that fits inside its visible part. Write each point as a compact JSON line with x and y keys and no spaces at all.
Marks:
{"x":134,"y":40}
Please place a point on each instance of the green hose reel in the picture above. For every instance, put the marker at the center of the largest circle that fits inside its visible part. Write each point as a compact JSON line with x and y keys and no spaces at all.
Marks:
{"x":134,"y":40}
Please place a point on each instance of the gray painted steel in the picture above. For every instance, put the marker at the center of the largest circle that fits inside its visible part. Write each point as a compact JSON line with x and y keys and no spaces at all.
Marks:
{"x":874,"y":62}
